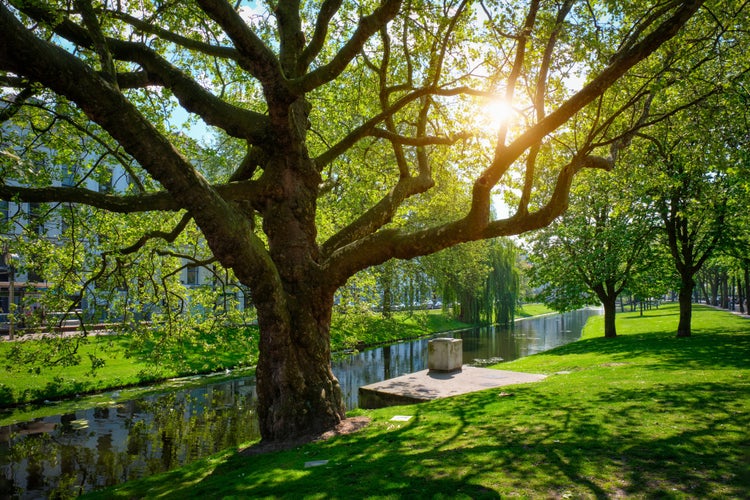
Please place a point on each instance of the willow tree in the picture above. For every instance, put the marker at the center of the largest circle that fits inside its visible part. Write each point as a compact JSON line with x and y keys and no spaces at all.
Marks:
{"x":317,"y":94}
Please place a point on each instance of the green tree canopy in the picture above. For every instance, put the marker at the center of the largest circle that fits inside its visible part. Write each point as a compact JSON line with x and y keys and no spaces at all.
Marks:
{"x":592,"y":253}
{"x":365,"y":104}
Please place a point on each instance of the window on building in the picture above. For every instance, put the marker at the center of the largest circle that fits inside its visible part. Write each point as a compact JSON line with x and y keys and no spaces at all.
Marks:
{"x":192,"y":275}
{"x":36,"y":219}
{"x":34,"y":277}
{"x":69,"y":179}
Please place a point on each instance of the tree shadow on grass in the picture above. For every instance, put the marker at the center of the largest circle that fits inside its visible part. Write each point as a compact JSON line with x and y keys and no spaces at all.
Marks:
{"x":590,"y":445}
{"x":708,"y":348}
{"x":651,"y":314}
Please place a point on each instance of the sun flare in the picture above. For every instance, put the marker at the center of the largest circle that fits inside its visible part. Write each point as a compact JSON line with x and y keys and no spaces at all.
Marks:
{"x":497,"y":112}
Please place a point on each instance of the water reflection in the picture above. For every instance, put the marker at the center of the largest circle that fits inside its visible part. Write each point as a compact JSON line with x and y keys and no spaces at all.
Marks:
{"x":65,"y":455}
{"x":481,"y":346}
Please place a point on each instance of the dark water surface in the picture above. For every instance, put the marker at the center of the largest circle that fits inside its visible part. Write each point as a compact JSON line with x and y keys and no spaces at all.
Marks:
{"x":65,"y":455}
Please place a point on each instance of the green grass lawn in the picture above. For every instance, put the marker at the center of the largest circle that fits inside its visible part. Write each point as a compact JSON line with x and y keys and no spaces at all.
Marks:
{"x":528,"y":310}
{"x":128,"y":360}
{"x":645,"y":415}
{"x":369,"y":329}
{"x":132,"y":359}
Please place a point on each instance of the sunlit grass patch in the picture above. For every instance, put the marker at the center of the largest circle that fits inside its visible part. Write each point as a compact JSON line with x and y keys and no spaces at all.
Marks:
{"x":641,"y":416}
{"x":537,"y":309}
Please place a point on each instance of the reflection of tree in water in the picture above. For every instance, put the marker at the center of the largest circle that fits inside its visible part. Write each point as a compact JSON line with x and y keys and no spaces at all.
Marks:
{"x":110,"y":444}
{"x":32,"y":451}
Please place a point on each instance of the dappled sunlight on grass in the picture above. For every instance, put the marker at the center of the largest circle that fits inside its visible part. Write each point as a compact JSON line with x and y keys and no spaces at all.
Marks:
{"x":644,"y":415}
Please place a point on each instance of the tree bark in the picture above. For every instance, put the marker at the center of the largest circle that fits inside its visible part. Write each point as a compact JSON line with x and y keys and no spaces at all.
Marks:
{"x":608,"y":294}
{"x":610,"y":313}
{"x":298,"y":395}
{"x":686,"y":306}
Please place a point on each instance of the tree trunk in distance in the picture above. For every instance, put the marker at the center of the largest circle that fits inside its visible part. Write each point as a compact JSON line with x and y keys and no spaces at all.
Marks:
{"x":608,"y":297}
{"x":610,"y":312}
{"x":741,"y":294}
{"x":686,"y":307}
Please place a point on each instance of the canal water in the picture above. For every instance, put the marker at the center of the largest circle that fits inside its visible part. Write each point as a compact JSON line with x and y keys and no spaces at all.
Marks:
{"x":65,"y":455}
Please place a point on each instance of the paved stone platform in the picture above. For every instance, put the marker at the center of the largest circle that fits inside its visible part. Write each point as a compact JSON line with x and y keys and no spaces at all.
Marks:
{"x":427,"y":385}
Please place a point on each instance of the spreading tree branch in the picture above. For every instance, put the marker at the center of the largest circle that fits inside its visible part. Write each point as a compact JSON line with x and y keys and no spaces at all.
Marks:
{"x":148,"y":26}
{"x":326,"y":12}
{"x":384,"y":244}
{"x":169,"y":237}
{"x":368,"y":26}
{"x":236,"y":121}
{"x":253,"y":191}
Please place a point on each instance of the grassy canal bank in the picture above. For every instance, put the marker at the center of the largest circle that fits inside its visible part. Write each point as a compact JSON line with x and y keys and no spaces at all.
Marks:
{"x":129,"y":360}
{"x":646,"y":415}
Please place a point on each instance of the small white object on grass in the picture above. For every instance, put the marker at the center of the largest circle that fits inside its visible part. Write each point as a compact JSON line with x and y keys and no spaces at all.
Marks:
{"x":401,"y":418}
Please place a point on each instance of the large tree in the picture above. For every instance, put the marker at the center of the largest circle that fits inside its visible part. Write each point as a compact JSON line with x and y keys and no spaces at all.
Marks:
{"x":317,"y":95}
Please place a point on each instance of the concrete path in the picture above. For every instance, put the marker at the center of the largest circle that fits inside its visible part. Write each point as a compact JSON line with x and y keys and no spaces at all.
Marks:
{"x":427,"y":385}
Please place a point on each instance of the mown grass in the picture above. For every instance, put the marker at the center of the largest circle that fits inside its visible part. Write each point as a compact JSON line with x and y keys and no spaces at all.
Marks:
{"x":128,"y":360}
{"x":369,"y":329}
{"x":645,"y":415}
{"x":536,"y":309}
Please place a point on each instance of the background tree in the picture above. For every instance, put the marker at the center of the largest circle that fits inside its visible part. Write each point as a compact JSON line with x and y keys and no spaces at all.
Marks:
{"x":503,"y":285}
{"x":480,"y":281}
{"x":318,"y":95}
{"x":462,"y":273}
{"x":595,"y":249}
{"x":691,"y":195}
{"x":737,"y":139}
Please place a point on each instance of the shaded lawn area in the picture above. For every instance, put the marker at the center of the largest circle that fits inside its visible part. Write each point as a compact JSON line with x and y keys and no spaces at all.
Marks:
{"x":645,"y":415}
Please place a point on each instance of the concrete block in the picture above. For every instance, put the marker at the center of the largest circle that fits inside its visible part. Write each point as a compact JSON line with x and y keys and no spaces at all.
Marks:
{"x":445,"y":355}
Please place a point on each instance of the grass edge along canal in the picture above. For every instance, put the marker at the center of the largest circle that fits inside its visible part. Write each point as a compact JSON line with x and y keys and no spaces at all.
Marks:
{"x":136,"y":359}
{"x":132,"y":360}
{"x":640,"y":416}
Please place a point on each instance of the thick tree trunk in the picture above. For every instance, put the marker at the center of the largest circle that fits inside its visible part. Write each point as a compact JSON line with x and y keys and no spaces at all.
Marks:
{"x":610,"y":313}
{"x":686,"y":307}
{"x":298,"y":395}
{"x":608,"y":297}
